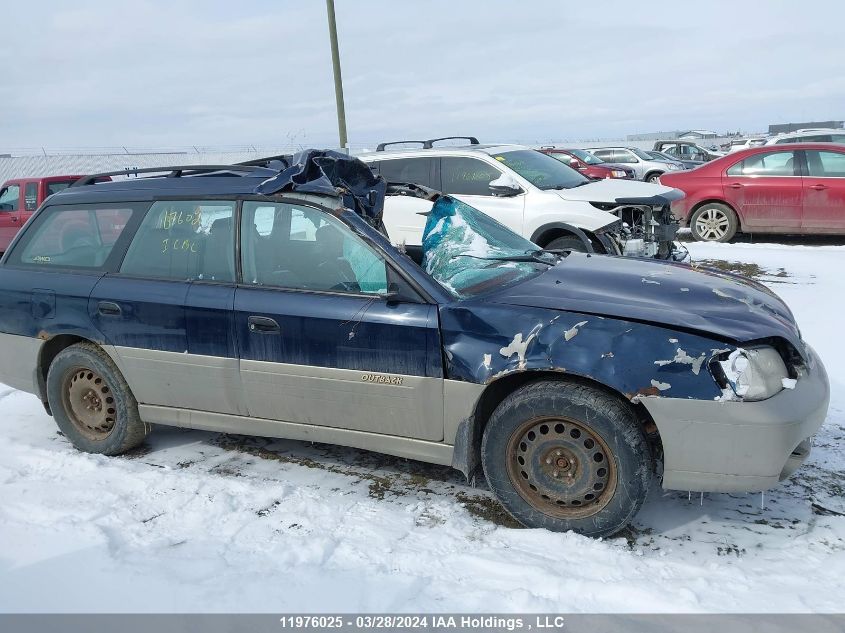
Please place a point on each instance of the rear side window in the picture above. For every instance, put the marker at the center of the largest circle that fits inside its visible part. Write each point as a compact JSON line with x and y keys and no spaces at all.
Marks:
{"x":407,"y":170}
{"x":826,"y":164}
{"x":81,"y":236}
{"x":771,"y":164}
{"x":57,"y":186}
{"x":9,"y":198}
{"x":185,"y":240}
{"x":622,"y":156}
{"x":467,"y":176}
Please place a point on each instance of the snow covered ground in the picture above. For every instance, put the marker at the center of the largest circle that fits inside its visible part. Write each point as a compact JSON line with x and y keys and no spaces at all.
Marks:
{"x":202,"y":522}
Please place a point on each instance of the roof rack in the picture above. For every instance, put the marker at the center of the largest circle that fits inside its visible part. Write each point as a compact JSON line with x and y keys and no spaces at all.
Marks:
{"x":175,"y":172}
{"x":429,"y":144}
{"x":265,"y":162}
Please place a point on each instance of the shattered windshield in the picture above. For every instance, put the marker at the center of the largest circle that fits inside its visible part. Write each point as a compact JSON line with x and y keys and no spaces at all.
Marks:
{"x":469,"y":253}
{"x":541,"y":170}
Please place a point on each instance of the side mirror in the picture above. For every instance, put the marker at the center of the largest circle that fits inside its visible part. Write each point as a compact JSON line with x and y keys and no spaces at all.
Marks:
{"x":505,"y":186}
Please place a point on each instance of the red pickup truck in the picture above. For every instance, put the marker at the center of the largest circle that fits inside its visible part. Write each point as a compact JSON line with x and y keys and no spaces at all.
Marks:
{"x":19,"y":198}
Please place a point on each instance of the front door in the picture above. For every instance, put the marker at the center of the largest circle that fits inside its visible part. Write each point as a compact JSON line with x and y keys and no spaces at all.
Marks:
{"x":766,"y":191}
{"x":468,"y":179}
{"x":824,"y":191}
{"x":319,"y":341}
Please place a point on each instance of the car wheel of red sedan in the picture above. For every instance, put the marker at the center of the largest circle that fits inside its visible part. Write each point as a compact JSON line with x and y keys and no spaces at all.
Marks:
{"x":714,"y":222}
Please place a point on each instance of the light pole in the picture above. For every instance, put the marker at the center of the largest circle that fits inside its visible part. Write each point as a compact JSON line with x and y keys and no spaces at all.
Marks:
{"x":338,"y":80}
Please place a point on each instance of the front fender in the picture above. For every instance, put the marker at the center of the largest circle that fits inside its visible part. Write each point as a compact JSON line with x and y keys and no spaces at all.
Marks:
{"x":485,"y":342}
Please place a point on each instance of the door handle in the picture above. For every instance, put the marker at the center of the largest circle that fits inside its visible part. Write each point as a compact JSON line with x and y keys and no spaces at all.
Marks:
{"x":819,"y":187}
{"x":108,"y":308}
{"x":264,"y":325}
{"x":735,"y":185}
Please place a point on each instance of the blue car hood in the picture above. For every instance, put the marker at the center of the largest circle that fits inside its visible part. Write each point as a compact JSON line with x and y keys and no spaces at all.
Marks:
{"x":675,"y":295}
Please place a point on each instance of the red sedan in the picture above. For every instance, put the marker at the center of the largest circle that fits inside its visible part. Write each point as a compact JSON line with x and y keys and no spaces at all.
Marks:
{"x":589,"y":165}
{"x":795,"y":189}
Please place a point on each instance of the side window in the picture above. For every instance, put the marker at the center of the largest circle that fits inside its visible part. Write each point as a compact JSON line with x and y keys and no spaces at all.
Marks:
{"x":9,"y":198}
{"x":467,"y":176}
{"x":605,"y":154}
{"x":771,"y":164}
{"x":78,"y":236}
{"x":306,"y":249}
{"x":30,"y":196}
{"x":826,"y":164}
{"x":57,"y":185}
{"x":623,"y":156}
{"x":412,"y":170}
{"x":184,"y":240}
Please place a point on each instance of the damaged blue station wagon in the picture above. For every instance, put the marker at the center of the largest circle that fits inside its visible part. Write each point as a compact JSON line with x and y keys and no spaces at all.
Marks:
{"x":265,"y":299}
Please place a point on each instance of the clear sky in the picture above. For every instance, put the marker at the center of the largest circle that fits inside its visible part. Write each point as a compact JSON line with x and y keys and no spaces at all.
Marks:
{"x":167,"y":74}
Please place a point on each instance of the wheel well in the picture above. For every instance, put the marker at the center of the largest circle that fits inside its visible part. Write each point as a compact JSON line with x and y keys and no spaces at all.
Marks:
{"x":49,"y":351}
{"x":552,"y":234}
{"x":497,"y":391}
{"x":719,"y":201}
{"x":653,"y":172}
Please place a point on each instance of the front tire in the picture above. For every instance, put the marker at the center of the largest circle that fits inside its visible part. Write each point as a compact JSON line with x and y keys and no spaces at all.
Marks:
{"x":566,"y":456}
{"x":567,"y":243}
{"x":652,"y":177}
{"x":92,"y":403}
{"x":714,"y":222}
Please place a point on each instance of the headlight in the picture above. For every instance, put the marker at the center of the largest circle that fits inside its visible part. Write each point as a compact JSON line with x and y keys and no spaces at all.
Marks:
{"x":616,"y":173}
{"x":673,"y":166}
{"x":755,"y":373}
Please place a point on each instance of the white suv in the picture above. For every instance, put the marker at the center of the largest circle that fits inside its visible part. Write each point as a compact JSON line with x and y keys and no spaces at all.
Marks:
{"x":810,"y":135}
{"x":531,"y":193}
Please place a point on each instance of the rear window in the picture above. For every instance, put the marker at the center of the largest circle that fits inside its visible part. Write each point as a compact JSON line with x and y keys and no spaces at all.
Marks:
{"x":407,"y":170}
{"x":81,"y":236}
{"x":57,"y":186}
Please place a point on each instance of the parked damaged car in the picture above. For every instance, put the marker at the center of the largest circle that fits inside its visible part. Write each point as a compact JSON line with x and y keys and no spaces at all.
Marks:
{"x":534,"y":195}
{"x":266,"y":299}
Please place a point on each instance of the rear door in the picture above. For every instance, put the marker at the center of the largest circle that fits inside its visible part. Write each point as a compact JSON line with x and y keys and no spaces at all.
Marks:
{"x":10,"y":213}
{"x":766,"y":190}
{"x":468,"y":179}
{"x":168,"y":311}
{"x":824,"y":191}
{"x":319,"y":342}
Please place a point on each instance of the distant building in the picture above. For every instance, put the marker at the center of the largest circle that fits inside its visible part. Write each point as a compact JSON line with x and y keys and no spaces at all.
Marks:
{"x":653,"y":136}
{"x":782,"y":128}
{"x":697,"y":134}
{"x":668,"y":136}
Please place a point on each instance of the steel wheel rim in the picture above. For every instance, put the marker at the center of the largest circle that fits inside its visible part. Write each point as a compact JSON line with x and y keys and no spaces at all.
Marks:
{"x":89,"y":403}
{"x":712,"y":224}
{"x":586,"y":471}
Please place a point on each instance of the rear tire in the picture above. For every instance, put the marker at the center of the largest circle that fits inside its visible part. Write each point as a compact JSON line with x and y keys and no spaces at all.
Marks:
{"x":566,"y":456}
{"x":567,"y":243}
{"x":714,"y":222}
{"x":92,"y":403}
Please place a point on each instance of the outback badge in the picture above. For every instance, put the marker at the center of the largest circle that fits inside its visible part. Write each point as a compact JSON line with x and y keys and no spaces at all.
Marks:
{"x":386,"y":380}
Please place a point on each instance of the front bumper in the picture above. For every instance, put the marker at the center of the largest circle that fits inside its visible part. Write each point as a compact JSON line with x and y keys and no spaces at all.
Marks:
{"x":740,"y":446}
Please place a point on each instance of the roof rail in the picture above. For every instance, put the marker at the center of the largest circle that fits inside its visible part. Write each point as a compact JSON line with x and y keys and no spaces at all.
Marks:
{"x":175,"y":172}
{"x":380,"y":147}
{"x":429,"y":144}
{"x":265,"y":162}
